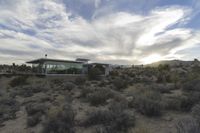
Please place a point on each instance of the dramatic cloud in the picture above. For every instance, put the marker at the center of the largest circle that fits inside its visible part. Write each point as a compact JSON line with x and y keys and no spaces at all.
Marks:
{"x":31,"y":28}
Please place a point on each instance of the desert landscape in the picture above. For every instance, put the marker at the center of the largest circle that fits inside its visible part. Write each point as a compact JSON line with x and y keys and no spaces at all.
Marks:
{"x":158,"y":98}
{"x":99,"y":66}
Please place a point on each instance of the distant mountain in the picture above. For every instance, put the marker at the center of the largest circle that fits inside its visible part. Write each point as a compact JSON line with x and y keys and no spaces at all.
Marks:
{"x":174,"y":63}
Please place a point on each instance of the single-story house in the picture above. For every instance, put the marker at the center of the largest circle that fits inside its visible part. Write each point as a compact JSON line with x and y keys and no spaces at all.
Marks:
{"x":46,"y":66}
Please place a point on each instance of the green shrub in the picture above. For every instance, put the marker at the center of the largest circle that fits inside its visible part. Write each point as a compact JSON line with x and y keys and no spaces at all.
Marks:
{"x":19,"y":81}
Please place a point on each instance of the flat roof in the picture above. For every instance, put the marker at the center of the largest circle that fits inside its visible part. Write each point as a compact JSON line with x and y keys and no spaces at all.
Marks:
{"x":41,"y":60}
{"x":99,"y":64}
{"x":82,"y":59}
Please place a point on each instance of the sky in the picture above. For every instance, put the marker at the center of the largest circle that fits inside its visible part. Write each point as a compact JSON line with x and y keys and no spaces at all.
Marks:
{"x":109,"y":31}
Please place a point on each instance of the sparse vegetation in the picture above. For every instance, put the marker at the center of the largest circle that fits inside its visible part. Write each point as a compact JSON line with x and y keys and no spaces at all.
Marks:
{"x":19,"y":81}
{"x":187,"y":125}
{"x":112,"y":121}
{"x":148,"y":102}
{"x":99,"y":96}
{"x":94,"y":74}
{"x":8,"y":108}
{"x":60,"y":120}
{"x":129,"y":100}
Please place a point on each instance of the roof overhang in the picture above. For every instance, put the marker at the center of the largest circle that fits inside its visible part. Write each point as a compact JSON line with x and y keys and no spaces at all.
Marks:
{"x":42,"y":60}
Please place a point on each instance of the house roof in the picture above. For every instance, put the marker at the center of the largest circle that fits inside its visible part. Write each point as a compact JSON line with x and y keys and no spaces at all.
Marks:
{"x":99,"y":64}
{"x":82,"y":59}
{"x":42,"y":60}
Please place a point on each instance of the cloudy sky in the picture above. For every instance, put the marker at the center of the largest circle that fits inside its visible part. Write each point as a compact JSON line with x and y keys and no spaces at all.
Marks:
{"x":109,"y":31}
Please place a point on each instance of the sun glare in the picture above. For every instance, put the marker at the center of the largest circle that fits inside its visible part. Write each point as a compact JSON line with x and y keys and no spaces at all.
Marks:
{"x":152,"y":58}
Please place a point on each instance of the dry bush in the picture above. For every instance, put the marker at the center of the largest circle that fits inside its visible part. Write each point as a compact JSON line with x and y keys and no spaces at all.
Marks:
{"x":19,"y":81}
{"x":28,"y":90}
{"x":94,"y":73}
{"x":112,"y":122}
{"x":141,"y":129}
{"x":120,"y":83}
{"x":68,"y":86}
{"x":172,"y":103}
{"x":8,"y":108}
{"x":60,"y":120}
{"x":34,"y":119}
{"x":193,"y":85}
{"x":118,"y":103}
{"x":162,"y":88}
{"x":34,"y":112}
{"x":99,"y":96}
{"x":179,"y":103}
{"x":187,"y":125}
{"x":80,"y":80}
{"x":85,"y":91}
{"x":57,"y":81}
{"x":33,"y":108}
{"x":148,"y":102}
{"x":196,"y":112}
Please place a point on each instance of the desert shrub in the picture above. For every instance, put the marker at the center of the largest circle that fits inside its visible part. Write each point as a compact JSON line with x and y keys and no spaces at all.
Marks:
{"x":172,"y":103}
{"x":33,"y":108}
{"x":85,"y":91}
{"x":80,"y":80}
{"x":60,"y":120}
{"x":179,"y":103}
{"x":28,"y":91}
{"x":193,"y":85}
{"x":68,"y":86}
{"x":94,"y":73}
{"x":102,"y":129}
{"x":34,"y":120}
{"x":186,"y":103}
{"x":8,"y":108}
{"x":114,"y":73}
{"x":112,"y":121}
{"x":141,"y":129}
{"x":118,"y":103}
{"x":99,"y":96}
{"x":19,"y":81}
{"x":57,"y":81}
{"x":120,"y":83}
{"x":161,"y":78}
{"x":148,"y":102}
{"x":103,"y":83}
{"x":187,"y":125}
{"x":162,"y":88}
{"x":196,"y":112}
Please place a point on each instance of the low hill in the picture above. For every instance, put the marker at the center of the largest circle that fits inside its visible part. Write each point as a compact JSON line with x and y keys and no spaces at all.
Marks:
{"x":174,"y":63}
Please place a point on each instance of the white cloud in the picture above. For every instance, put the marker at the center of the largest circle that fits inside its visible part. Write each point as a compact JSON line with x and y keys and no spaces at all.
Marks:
{"x":34,"y":28}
